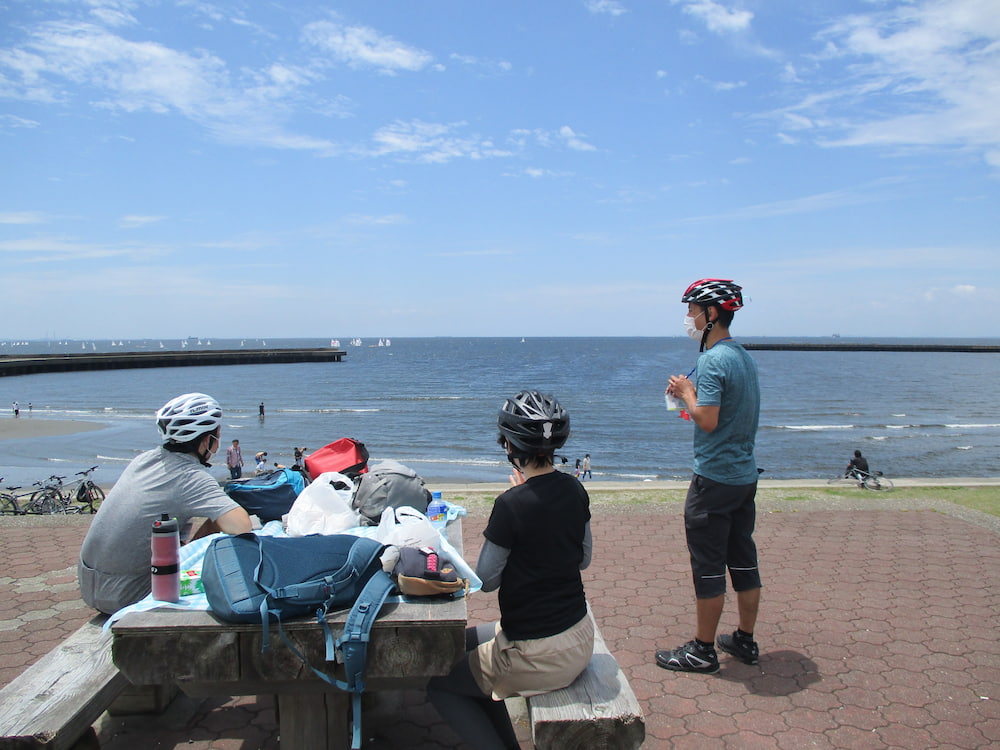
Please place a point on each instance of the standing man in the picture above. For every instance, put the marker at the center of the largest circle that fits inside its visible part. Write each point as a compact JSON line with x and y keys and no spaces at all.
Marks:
{"x":719,"y":512}
{"x":586,"y":468}
{"x":234,"y":460}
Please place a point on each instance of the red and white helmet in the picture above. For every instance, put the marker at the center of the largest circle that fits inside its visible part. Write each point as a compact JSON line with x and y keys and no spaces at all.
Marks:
{"x":721,"y":292}
{"x":186,"y":417}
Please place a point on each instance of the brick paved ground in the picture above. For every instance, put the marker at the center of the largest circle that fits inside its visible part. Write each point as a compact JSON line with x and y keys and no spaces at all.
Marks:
{"x":878,"y":629}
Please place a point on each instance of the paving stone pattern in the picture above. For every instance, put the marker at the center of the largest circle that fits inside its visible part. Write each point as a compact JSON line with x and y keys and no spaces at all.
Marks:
{"x":878,"y":629}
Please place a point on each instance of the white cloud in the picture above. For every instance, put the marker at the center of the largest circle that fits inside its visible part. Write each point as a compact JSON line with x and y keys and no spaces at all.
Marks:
{"x":386,"y":219}
{"x":134,"y":222}
{"x":113,"y":12}
{"x":364,"y":47}
{"x":868,"y":193}
{"x":22,"y":217}
{"x":718,"y":18}
{"x":61,"y":60}
{"x":609,"y":7}
{"x":574,"y":141}
{"x":920,"y":74}
{"x":721,"y":85}
{"x":430,"y":142}
{"x":64,"y":249}
{"x":13,"y":121}
{"x":492,"y":67}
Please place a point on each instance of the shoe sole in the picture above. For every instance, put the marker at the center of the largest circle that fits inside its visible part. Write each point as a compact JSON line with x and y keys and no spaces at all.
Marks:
{"x":677,"y":668}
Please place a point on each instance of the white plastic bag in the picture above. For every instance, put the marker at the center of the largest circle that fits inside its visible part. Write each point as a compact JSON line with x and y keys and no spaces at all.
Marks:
{"x":407,"y":527}
{"x":322,"y":508}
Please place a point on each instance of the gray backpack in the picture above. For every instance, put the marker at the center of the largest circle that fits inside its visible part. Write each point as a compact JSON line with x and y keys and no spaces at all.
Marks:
{"x":389,"y":484}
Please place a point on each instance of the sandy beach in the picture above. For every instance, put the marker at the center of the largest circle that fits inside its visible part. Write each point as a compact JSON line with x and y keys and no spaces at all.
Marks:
{"x":26,"y":426}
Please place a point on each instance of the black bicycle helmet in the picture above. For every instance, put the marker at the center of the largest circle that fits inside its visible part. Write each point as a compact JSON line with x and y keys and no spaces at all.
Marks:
{"x":721,"y":292}
{"x":533,"y":423}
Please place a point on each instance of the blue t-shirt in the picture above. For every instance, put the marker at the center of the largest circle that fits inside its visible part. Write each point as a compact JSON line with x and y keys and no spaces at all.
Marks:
{"x":727,"y":378}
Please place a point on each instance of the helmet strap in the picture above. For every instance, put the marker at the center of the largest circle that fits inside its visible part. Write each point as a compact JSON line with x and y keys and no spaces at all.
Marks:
{"x":704,"y":337}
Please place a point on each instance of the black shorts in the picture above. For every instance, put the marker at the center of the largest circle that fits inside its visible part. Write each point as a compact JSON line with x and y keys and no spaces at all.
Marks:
{"x":719,"y":522}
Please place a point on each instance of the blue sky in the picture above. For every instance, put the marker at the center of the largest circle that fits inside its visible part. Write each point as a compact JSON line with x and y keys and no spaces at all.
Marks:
{"x":449,"y":167}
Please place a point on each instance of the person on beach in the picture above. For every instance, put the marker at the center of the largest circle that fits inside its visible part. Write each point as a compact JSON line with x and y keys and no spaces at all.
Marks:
{"x":113,"y":568}
{"x":719,"y":511}
{"x":261,"y":459}
{"x":537,"y":542}
{"x":234,"y":460}
{"x":585,"y":473}
{"x":857,"y":467}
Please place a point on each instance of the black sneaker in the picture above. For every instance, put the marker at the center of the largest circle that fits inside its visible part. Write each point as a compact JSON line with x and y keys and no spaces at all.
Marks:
{"x":689,"y":658}
{"x":743,"y":648}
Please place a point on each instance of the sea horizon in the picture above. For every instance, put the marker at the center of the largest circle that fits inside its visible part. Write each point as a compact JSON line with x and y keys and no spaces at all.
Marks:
{"x":431,"y":403}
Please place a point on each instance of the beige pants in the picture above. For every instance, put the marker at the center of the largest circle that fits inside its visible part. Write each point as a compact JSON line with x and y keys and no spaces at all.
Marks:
{"x":502,"y":667}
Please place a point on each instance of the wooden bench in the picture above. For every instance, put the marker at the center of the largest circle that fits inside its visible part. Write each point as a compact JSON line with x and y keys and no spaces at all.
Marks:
{"x":597,"y":711}
{"x":54,"y":702}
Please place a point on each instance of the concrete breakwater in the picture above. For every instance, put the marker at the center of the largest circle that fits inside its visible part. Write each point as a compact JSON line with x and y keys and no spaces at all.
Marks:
{"x":38,"y":363}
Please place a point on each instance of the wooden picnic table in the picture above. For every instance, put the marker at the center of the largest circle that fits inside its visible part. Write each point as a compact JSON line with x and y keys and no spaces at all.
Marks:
{"x":411,"y":641}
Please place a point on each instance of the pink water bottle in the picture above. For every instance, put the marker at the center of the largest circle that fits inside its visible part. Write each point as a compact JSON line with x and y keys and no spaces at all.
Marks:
{"x":165,"y":562}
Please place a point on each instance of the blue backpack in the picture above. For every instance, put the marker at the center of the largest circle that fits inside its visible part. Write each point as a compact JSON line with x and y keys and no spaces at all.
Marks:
{"x":268,"y":496}
{"x":249,"y":578}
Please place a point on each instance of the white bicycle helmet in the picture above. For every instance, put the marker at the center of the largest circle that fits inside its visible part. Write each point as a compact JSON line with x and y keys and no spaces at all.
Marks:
{"x":184,"y":418}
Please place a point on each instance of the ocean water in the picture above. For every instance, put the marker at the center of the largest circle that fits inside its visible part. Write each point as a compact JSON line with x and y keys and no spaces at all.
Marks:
{"x":431,"y":403}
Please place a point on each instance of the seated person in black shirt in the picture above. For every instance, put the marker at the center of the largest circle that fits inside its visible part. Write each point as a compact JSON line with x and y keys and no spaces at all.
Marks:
{"x":857,"y":468}
{"x":537,"y":542}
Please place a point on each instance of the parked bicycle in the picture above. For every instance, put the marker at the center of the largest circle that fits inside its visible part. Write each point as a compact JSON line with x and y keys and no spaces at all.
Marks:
{"x":874,"y":480}
{"x":11,"y":501}
{"x":48,"y":498}
{"x":86,"y":493}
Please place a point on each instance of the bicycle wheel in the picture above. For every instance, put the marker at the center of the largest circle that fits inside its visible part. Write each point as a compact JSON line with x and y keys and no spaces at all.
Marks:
{"x":93,"y":496}
{"x":878,"y":483}
{"x":8,"y":506}
{"x":49,"y":500}
{"x":842,"y":480}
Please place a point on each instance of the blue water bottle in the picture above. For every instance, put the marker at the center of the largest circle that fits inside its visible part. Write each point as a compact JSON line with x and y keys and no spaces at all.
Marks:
{"x":437,"y":513}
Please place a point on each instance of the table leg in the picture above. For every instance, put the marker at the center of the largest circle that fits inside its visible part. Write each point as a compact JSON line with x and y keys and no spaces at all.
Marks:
{"x":315,"y":720}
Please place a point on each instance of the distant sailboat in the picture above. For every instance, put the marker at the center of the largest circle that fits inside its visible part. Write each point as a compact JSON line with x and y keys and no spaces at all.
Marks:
{"x":335,"y":343}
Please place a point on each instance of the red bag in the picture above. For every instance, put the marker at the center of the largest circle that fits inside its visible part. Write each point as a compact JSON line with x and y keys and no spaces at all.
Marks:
{"x":347,"y":455}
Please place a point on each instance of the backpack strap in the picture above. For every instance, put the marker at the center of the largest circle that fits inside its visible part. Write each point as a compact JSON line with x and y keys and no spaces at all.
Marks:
{"x":352,"y":646}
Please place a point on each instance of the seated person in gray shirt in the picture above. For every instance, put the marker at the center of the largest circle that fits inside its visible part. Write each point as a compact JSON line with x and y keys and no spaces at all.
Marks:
{"x":114,"y":565}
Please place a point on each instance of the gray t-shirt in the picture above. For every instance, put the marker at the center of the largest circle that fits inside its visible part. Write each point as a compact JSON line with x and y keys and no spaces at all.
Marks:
{"x":115,"y":557}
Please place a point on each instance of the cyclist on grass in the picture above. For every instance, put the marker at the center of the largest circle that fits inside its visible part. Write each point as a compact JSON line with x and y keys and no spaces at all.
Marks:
{"x":857,"y":467}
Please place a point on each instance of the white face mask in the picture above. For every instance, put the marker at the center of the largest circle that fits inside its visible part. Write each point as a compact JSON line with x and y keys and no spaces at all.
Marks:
{"x":691,"y":329}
